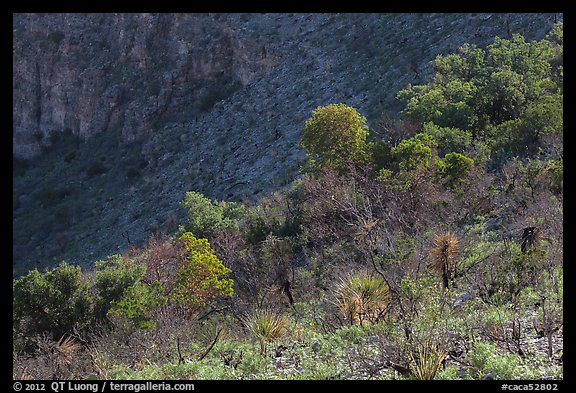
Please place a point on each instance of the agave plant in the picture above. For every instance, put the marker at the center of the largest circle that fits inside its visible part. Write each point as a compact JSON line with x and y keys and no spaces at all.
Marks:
{"x":65,"y":350}
{"x":444,"y":256}
{"x":362,"y":297}
{"x":267,"y":327}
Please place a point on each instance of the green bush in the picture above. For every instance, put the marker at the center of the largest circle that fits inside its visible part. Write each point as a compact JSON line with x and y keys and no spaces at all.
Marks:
{"x":138,"y":303}
{"x":508,"y":95}
{"x":335,"y":136}
{"x":449,"y":139}
{"x":114,"y":276}
{"x":53,"y":303}
{"x":485,"y":359}
{"x":201,"y":277}
{"x":555,"y":172}
{"x":454,"y":168}
{"x":206,"y":217}
{"x":415,"y":152}
{"x":259,"y":223}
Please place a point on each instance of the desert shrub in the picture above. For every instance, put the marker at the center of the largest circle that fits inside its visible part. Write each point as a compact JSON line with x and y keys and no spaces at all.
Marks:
{"x":206,"y":217}
{"x":486,"y":360}
{"x":161,"y":256}
{"x":335,"y":136}
{"x":54,"y":303}
{"x":274,"y":215}
{"x":114,"y":275}
{"x":201,"y":277}
{"x":449,"y":139}
{"x":509,"y":272}
{"x":95,"y":169}
{"x":216,"y":91}
{"x":454,"y":168}
{"x":415,"y":152}
{"x":137,"y":304}
{"x":508,"y":95}
{"x":555,"y":172}
{"x":208,"y":369}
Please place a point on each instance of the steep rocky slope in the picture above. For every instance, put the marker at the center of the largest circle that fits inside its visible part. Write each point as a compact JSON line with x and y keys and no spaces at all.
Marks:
{"x":120,"y":115}
{"x":95,"y":73}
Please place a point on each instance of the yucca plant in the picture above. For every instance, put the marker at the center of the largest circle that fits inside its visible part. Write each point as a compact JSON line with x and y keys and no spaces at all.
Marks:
{"x":426,"y":359}
{"x":362,"y":297}
{"x":267,"y":327}
{"x":444,"y":255}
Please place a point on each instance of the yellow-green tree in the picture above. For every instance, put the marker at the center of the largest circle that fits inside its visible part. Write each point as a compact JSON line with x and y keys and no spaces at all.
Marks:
{"x":201,"y":276}
{"x":335,"y":136}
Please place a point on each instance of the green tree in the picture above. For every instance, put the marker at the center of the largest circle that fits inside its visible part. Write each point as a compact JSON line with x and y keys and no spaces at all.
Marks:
{"x":206,"y":217}
{"x":335,"y":136}
{"x":114,"y":276}
{"x":449,"y":139}
{"x":415,"y":152}
{"x":201,"y":277}
{"x":54,"y":302}
{"x":454,"y":168}
{"x":138,"y":303}
{"x":507,"y":96}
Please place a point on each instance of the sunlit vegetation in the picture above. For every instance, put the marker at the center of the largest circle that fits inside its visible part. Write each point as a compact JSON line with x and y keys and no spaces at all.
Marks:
{"x":434,"y":251}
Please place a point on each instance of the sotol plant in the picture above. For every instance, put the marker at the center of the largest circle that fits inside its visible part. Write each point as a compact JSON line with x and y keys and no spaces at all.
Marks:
{"x":444,"y":255}
{"x":267,"y":327}
{"x":362,"y":297}
{"x":426,"y":360}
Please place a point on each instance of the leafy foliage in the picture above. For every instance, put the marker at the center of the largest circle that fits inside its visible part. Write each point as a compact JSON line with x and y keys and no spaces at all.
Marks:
{"x":137,"y":304}
{"x":114,"y":275}
{"x":415,"y":152}
{"x":355,"y":271}
{"x":507,"y":94}
{"x":335,"y":136}
{"x":55,"y":302}
{"x":454,"y":167}
{"x":207,"y":217}
{"x":200,"y":279}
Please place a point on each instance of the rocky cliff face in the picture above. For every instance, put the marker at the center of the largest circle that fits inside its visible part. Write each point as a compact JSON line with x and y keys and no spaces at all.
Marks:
{"x":132,"y":72}
{"x":161,"y":104}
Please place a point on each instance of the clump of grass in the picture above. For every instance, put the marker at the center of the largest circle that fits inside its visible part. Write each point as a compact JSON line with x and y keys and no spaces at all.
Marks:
{"x":267,"y":327}
{"x":362,"y":297}
{"x":444,"y":256}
